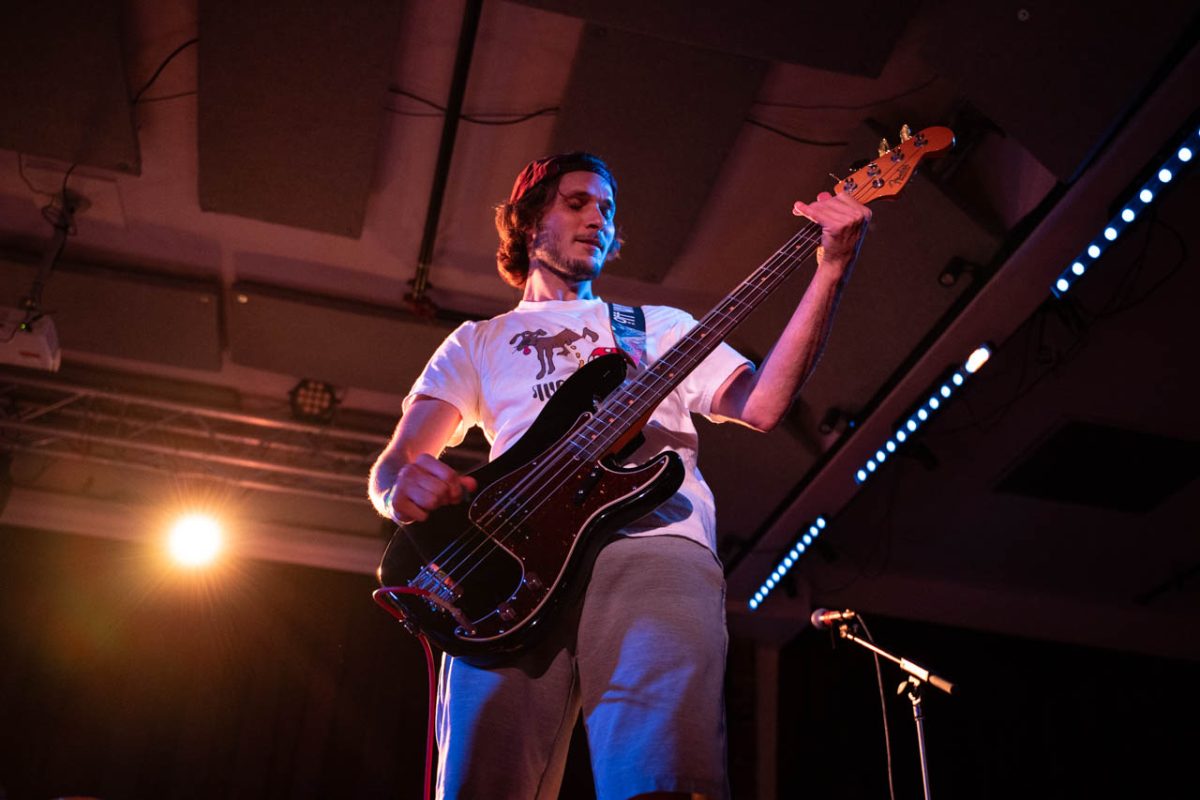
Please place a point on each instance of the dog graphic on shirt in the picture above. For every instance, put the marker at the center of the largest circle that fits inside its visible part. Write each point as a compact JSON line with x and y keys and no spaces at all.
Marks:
{"x":546,"y":347}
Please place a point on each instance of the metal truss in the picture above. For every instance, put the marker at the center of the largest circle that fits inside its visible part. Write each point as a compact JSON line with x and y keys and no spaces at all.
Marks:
{"x":56,"y":418}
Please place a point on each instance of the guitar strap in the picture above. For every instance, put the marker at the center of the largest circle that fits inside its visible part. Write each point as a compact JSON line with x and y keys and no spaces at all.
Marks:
{"x":629,"y":331}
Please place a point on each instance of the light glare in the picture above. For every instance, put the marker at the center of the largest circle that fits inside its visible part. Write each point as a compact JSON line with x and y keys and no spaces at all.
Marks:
{"x":195,"y":540}
{"x":978,"y":359}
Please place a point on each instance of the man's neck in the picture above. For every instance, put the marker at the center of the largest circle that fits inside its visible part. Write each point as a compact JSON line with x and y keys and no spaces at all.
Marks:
{"x":542,"y":285}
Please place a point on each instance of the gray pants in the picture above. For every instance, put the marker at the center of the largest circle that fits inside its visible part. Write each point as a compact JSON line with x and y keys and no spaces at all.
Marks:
{"x":645,"y":663}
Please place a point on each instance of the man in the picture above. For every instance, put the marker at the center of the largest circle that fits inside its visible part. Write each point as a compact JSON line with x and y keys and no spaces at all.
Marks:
{"x":642,"y":655}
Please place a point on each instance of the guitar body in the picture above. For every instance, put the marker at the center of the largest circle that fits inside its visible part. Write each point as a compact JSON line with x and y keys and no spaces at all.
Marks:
{"x":494,"y":570}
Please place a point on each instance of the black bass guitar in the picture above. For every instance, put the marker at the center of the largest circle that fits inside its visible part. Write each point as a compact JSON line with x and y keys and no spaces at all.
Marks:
{"x":482,"y":578}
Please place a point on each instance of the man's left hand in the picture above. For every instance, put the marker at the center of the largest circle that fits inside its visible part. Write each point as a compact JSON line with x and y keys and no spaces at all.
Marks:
{"x":843,"y":222}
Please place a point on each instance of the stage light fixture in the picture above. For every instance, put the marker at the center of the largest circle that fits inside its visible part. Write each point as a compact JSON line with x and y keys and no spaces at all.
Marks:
{"x":195,"y":540}
{"x":834,"y":419}
{"x":1166,"y":171}
{"x":937,"y":399}
{"x":313,"y":401}
{"x":786,"y":562}
{"x":954,"y":270}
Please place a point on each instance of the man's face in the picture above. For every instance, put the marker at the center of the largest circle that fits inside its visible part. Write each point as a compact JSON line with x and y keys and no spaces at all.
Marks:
{"x":576,"y":231}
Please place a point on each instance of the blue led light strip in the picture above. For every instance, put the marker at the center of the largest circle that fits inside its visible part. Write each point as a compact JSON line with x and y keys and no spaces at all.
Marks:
{"x":802,"y":543}
{"x":1179,"y":160}
{"x":939,"y":395}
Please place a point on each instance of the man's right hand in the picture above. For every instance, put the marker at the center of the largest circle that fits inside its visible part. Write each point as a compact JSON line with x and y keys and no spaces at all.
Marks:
{"x":424,"y":484}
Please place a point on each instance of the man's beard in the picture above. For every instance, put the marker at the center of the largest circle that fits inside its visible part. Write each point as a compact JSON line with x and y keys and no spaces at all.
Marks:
{"x":547,"y":249}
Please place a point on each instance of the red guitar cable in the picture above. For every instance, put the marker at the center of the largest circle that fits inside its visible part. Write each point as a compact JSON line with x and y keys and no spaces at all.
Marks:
{"x":383,"y":596}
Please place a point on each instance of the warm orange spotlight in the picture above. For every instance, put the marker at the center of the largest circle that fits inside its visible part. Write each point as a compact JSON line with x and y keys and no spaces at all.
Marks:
{"x":195,"y":540}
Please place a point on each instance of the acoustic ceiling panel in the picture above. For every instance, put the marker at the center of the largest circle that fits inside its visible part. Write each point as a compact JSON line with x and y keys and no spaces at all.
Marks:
{"x":664,"y":116}
{"x":1057,"y":76}
{"x":1105,"y":467}
{"x":346,"y":344}
{"x":831,"y":36}
{"x":291,"y":105}
{"x":163,"y":320}
{"x":62,"y":84}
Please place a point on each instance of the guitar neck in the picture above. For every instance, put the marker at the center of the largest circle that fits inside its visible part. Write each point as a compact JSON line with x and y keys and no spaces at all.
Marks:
{"x":634,"y":401}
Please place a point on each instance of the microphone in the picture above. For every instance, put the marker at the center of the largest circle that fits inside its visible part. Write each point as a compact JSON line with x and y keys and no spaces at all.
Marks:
{"x":824,"y":618}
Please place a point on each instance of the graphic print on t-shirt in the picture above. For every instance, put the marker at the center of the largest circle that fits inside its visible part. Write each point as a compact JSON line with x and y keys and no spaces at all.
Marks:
{"x":546,"y":347}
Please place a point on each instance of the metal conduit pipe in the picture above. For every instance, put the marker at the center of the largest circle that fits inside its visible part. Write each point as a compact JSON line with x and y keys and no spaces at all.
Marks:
{"x":441,"y":175}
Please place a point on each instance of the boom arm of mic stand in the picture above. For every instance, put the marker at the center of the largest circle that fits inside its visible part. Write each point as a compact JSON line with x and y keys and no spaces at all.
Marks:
{"x":918,"y":672}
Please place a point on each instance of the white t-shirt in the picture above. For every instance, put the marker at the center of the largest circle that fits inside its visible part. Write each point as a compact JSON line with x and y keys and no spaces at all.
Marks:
{"x":500,"y":372}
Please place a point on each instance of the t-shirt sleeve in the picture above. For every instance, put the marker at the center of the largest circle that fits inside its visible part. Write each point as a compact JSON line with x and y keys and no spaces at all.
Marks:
{"x":698,"y":388}
{"x":453,"y":377}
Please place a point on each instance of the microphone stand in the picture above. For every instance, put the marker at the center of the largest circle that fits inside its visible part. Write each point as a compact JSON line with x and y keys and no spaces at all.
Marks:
{"x":917,"y":678}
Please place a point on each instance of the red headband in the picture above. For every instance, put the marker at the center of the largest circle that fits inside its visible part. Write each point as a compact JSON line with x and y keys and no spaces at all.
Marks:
{"x":544,"y":169}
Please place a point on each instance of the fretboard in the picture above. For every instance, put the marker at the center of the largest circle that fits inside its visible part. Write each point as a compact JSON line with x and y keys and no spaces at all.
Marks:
{"x":634,"y":400}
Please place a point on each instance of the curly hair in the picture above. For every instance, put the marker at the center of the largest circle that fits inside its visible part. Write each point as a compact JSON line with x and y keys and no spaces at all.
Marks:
{"x":514,"y":220}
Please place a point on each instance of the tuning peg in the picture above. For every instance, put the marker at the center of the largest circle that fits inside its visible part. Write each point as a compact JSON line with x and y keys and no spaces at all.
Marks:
{"x":884,"y":146}
{"x":905,"y":133}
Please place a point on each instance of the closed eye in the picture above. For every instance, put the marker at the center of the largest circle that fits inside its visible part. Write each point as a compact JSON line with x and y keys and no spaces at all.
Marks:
{"x":578,"y":200}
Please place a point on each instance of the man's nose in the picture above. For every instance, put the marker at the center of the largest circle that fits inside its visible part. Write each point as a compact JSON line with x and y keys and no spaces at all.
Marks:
{"x":595,"y":217}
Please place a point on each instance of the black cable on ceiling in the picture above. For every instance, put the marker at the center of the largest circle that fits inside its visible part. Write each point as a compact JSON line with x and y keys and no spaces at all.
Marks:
{"x":162,"y":66}
{"x":793,"y":137}
{"x":477,"y":118}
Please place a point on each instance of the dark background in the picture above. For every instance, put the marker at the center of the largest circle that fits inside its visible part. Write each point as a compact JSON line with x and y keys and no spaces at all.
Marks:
{"x":120,"y":678}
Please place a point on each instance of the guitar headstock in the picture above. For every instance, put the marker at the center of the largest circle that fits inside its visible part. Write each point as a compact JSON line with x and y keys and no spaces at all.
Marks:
{"x":888,"y":174}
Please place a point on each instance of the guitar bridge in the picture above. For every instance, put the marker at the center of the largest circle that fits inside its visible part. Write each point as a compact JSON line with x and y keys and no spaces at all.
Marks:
{"x":443,"y":593}
{"x":437,"y":582}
